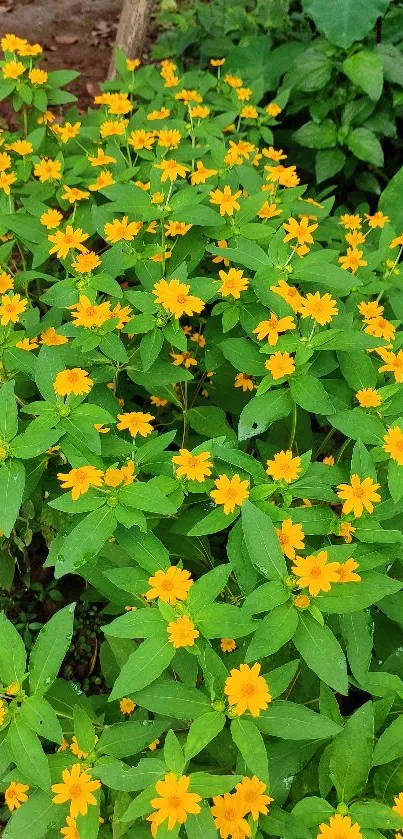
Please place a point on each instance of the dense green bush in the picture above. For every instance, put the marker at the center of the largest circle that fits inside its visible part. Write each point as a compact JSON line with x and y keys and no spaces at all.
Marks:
{"x":338,"y":77}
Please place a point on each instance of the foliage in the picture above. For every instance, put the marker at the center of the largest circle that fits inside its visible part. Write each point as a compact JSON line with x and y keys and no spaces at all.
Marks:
{"x":201,"y":413}
{"x":339,"y":85}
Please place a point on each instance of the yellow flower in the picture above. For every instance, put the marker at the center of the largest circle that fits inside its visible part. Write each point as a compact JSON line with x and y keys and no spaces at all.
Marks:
{"x":170,"y":585}
{"x":73,"y":194}
{"x":355,"y":238}
{"x":199,"y":111}
{"x":268,"y":210}
{"x":118,"y":103}
{"x":29,"y":49}
{"x":328,"y":460}
{"x":175,"y":298}
{"x":74,"y":381}
{"x":127,"y":706}
{"x":394,"y":364}
{"x":101,"y":158}
{"x":104,"y":179}
{"x":51,"y":338}
{"x":6,"y":180}
{"x":369,"y":310}
{"x":183,"y":358}
{"x":136,"y":422}
{"x":244,"y":381}
{"x":193,"y":467}
{"x":284,"y":467}
{"x":182,"y":632}
{"x":339,"y":827}
{"x":346,"y":572}
{"x":233,"y":283}
{"x":226,"y":201}
{"x":377,"y":219}
{"x":22,"y":147}
{"x":291,"y":537}
{"x":15,"y":795}
{"x":247,"y":690}
{"x":368,"y":398}
{"x":229,"y":816}
{"x":5,"y":161}
{"x":379,"y":327}
{"x":393,"y":440}
{"x":274,"y":154}
{"x":132,"y":63}
{"x":358,"y":495}
{"x":46,"y":119}
{"x":201,"y":174}
{"x":315,"y":572}
{"x":272,"y":328}
{"x":79,"y":481}
{"x":171,"y":170}
{"x":48,"y":170}
{"x":76,"y":788}
{"x":302,"y":601}
{"x":169,"y":138}
{"x":252,"y":791}
{"x":174,"y":803}
{"x":37,"y":76}
{"x":321,"y":309}
{"x":352,"y":260}
{"x":397,"y":242}
{"x":153,"y":745}
{"x":227,"y":645}
{"x":87,"y":314}
{"x":188,"y":96}
{"x":66,"y":240}
{"x":11,"y":307}
{"x":288,"y":293}
{"x":67,"y":131}
{"x":75,"y":748}
{"x":230,"y":492}
{"x":84,"y":263}
{"x":273,"y":110}
{"x":13,"y":69}
{"x":6,"y":282}
{"x":121,"y":229}
{"x":70,"y":830}
{"x":299,"y":230}
{"x":346,"y":531}
{"x":11,"y":43}
{"x":249,"y":112}
{"x":398,"y":806}
{"x":141,"y":139}
{"x":177,"y":228}
{"x":27,"y":344}
{"x":51,"y":219}
{"x":233,"y":81}
{"x":113,"y":128}
{"x":162,"y":113}
{"x":217,"y":62}
{"x":351,"y":222}
{"x":158,"y":402}
{"x":280,"y":364}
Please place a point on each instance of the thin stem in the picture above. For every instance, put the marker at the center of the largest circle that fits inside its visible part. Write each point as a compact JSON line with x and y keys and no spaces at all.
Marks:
{"x":293,"y":425}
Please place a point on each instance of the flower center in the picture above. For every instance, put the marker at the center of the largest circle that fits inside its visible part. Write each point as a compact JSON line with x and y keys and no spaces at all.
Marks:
{"x":182,"y":298}
{"x":358,"y":492}
{"x":229,"y":815}
{"x":167,"y":585}
{"x":316,"y":572}
{"x":248,"y":689}
{"x":175,"y":801}
{"x":75,"y":790}
{"x":72,"y":377}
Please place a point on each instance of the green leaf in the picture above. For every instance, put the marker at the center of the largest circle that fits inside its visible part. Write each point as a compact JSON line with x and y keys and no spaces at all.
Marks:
{"x":85,"y":540}
{"x":346,"y":22}
{"x":351,"y":754}
{"x":250,"y":743}
{"x":263,"y":411}
{"x":140,"y":624}
{"x":351,"y":597}
{"x":28,"y":755}
{"x":214,"y":522}
{"x":125,"y":739}
{"x":12,"y":483}
{"x":207,"y":588}
{"x":328,"y":163}
{"x":145,"y":549}
{"x":365,"y":70}
{"x":273,"y":632}
{"x":357,"y":630}
{"x":309,"y":393}
{"x":210,"y":421}
{"x":322,"y":652}
{"x":362,"y":463}
{"x":174,"y":699}
{"x":173,"y":754}
{"x":201,"y":825}
{"x":12,"y":652}
{"x":373,"y":814}
{"x":148,"y":497}
{"x":83,"y":729}
{"x":317,"y":136}
{"x":50,"y":649}
{"x":221,"y":620}
{"x":38,"y":714}
{"x":33,"y":819}
{"x":389,"y":201}
{"x":8,"y":412}
{"x":290,"y":721}
{"x":244,"y":355}
{"x":395,"y":480}
{"x":365,"y":145}
{"x":359,"y":425}
{"x":150,"y":348}
{"x":144,"y":665}
{"x":245,"y":253}
{"x":202,"y":731}
{"x":207,"y":786}
{"x":390,"y":744}
{"x":262,"y":542}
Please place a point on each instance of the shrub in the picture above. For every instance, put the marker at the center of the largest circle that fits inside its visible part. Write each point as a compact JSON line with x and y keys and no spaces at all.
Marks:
{"x":201,"y":414}
{"x":340,"y":83}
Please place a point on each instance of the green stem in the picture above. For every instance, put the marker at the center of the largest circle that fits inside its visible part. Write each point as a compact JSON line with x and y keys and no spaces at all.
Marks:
{"x":343,"y":449}
{"x":293,"y":425}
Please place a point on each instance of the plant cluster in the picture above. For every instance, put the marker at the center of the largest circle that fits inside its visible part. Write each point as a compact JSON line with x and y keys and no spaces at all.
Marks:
{"x":339,"y":77}
{"x":201,"y":404}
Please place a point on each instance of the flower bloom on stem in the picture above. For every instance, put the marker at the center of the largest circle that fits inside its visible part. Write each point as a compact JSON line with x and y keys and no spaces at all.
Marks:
{"x":321,"y":309}
{"x":193,"y":467}
{"x":15,"y":795}
{"x":315,"y":573}
{"x":352,"y":260}
{"x":77,"y":788}
{"x":291,"y":537}
{"x":233,"y":283}
{"x":74,"y":381}
{"x":70,"y":830}
{"x":347,"y":572}
{"x":127,"y":706}
{"x":393,"y":444}
{"x":136,"y":422}
{"x":368,"y":397}
{"x":230,"y":492}
{"x":272,"y":328}
{"x":280,"y":364}
{"x":301,"y":231}
{"x":175,"y":298}
{"x":228,"y":645}
{"x":252,"y":793}
{"x":66,"y":240}
{"x":229,"y":814}
{"x":182,"y":632}
{"x":284,"y":467}
{"x":346,"y":531}
{"x":339,"y":827}
{"x":80,"y":480}
{"x":394,"y":364}
{"x":11,"y":307}
{"x":174,"y":803}
{"x":170,"y":586}
{"x":247,"y":690}
{"x":244,"y":381}
{"x":358,"y":496}
{"x":288,"y":293}
{"x":225,"y":200}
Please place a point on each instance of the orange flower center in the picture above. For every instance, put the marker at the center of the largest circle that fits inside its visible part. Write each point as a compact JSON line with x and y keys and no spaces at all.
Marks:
{"x":68,"y":238}
{"x":10,"y":308}
{"x":283,"y":538}
{"x":175,"y":801}
{"x":316,"y":572}
{"x":75,"y":790}
{"x":90,"y":310}
{"x":229,"y":815}
{"x":80,"y":475}
{"x":248,"y":689}
{"x":181,"y":298}
{"x":358,"y":492}
{"x":72,"y":377}
{"x":167,"y":585}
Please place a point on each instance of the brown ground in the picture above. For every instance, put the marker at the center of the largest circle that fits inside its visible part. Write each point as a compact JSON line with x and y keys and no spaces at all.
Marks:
{"x":75,"y":34}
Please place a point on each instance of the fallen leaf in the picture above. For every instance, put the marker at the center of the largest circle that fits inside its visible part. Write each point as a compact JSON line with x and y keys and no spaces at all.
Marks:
{"x":66,"y":39}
